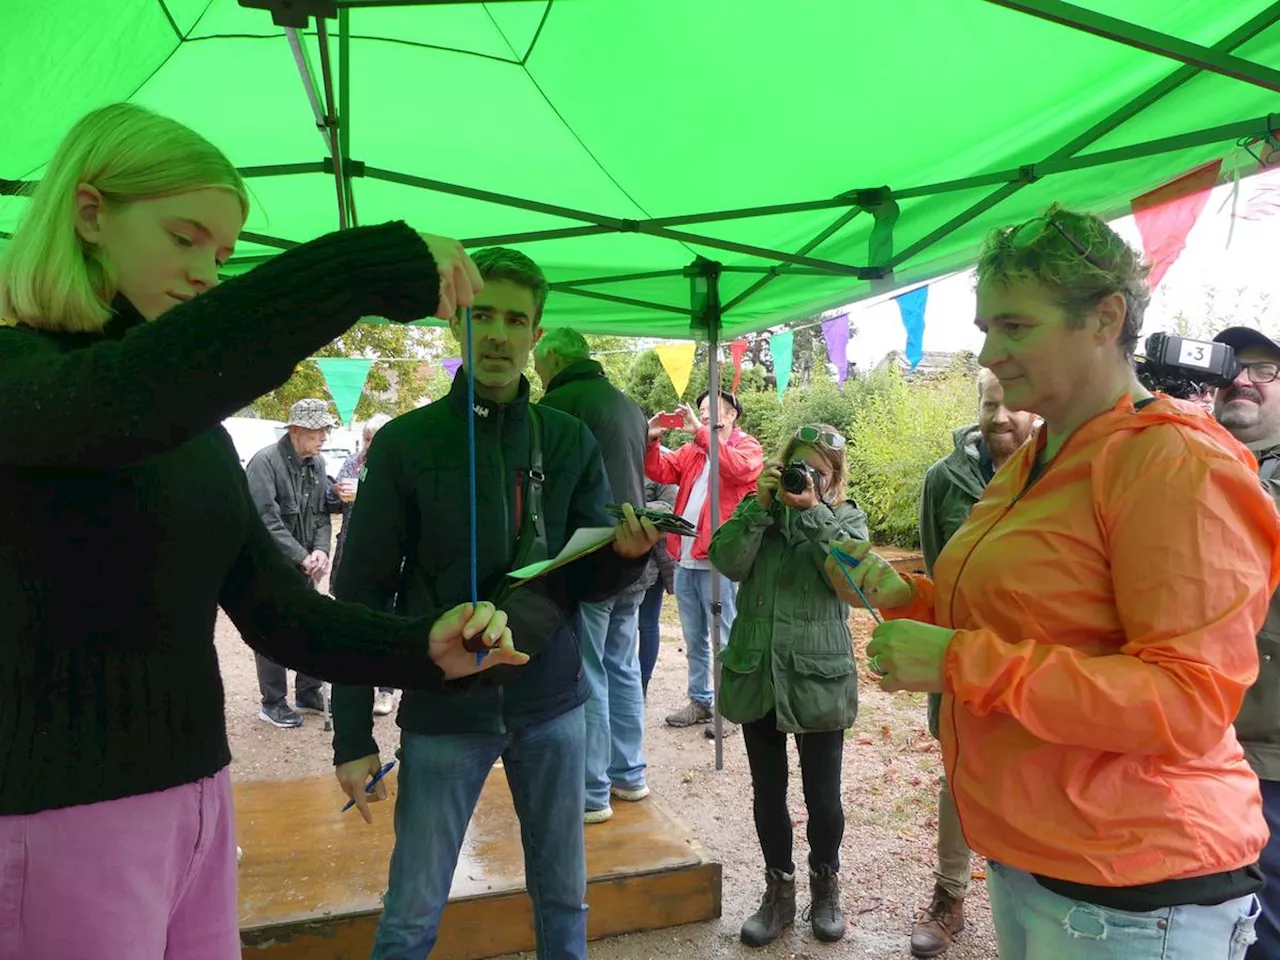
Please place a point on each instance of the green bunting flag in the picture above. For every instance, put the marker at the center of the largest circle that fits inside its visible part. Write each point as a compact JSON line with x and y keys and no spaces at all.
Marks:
{"x":345,"y":377}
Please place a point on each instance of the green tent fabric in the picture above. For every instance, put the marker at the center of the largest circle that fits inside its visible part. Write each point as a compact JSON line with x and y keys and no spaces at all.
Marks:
{"x":618,"y":132}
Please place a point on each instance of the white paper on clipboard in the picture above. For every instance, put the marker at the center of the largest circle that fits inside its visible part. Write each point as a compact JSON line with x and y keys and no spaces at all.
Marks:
{"x":585,"y":540}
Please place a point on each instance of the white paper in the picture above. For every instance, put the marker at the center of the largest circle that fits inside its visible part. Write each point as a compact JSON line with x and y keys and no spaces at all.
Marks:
{"x":584,"y":540}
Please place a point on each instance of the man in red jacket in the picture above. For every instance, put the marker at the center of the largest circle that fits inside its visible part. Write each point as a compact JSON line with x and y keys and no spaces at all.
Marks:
{"x":741,"y":460}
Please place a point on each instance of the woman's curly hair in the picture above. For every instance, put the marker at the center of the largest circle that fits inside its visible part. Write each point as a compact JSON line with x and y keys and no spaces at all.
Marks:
{"x":1076,"y":280}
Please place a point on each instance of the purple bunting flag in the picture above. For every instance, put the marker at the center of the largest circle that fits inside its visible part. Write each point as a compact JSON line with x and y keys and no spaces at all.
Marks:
{"x":836,"y":332}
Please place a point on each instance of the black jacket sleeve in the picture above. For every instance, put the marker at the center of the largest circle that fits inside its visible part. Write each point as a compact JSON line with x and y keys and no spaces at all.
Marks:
{"x":118,"y":401}
{"x":282,"y":617}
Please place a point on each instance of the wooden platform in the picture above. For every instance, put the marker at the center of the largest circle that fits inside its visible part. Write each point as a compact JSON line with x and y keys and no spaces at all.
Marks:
{"x":312,"y":879}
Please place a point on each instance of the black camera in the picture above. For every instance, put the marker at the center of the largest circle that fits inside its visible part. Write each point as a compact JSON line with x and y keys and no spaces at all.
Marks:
{"x":796,"y":476}
{"x":1184,"y":368}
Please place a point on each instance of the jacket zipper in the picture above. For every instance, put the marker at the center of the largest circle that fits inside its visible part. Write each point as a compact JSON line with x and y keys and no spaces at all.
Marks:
{"x":1032,"y":479}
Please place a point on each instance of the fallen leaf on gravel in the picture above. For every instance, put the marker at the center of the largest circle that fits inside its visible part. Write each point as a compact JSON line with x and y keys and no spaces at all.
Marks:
{"x":903,"y":835}
{"x":979,"y":875}
{"x":865,"y":741}
{"x":886,"y":734}
{"x":871,"y":906}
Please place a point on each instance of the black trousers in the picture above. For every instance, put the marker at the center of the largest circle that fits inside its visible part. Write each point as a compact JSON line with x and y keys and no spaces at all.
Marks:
{"x":821,"y":755}
{"x":273,"y":681}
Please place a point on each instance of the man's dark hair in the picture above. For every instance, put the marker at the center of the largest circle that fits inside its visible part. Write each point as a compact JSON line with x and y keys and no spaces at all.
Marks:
{"x":728,"y":397}
{"x":503,"y":263}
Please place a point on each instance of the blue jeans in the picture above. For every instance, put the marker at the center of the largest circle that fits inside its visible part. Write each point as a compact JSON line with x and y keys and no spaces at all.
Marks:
{"x":650,"y":635}
{"x":693,"y":596}
{"x":1033,"y":923}
{"x":1268,"y":944}
{"x":439,"y":784}
{"x":615,"y":712}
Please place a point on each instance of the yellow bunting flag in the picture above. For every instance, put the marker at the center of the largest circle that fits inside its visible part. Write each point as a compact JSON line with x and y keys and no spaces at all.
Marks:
{"x":677,"y":360}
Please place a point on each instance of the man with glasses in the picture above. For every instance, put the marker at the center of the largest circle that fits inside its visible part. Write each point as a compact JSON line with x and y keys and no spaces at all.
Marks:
{"x":1250,"y":408}
{"x":288,"y":484}
{"x":951,"y":487}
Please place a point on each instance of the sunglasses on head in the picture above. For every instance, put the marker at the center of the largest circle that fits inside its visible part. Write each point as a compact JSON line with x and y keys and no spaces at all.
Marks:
{"x":1028,"y":234}
{"x":812,"y":435}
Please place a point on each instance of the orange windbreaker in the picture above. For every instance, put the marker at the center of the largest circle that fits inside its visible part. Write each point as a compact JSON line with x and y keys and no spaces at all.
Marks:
{"x":1106,"y":621}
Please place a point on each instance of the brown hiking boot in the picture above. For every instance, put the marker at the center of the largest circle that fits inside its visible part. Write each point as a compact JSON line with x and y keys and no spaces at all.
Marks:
{"x":824,"y":912}
{"x":937,"y":925}
{"x":777,"y":910}
{"x":693,"y":713}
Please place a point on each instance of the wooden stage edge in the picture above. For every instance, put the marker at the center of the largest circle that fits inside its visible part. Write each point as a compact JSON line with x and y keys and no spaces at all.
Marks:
{"x":314,"y":892}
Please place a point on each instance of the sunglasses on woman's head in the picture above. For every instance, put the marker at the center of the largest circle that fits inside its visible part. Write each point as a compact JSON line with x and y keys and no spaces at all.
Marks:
{"x":812,"y":435}
{"x":1026,"y":236}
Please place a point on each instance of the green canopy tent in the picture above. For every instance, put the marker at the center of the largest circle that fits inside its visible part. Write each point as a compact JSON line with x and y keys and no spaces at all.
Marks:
{"x":792,"y":156}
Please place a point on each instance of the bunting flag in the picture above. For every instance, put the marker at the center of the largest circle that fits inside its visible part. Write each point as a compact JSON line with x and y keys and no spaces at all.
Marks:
{"x":345,"y":377}
{"x":782,"y":346}
{"x":911,"y":306}
{"x":1166,"y":215}
{"x":677,"y":360}
{"x":836,"y":332}
{"x":451,"y":366}
{"x":737,"y":350}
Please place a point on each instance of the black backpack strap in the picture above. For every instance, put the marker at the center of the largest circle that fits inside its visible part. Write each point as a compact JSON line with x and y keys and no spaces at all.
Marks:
{"x":538,"y":550}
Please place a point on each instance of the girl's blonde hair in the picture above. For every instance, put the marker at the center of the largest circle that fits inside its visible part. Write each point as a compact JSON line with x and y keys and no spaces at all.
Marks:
{"x":49,"y":277}
{"x":838,"y":487}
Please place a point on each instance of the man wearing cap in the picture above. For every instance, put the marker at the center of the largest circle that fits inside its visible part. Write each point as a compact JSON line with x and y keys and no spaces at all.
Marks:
{"x":1249,"y":407}
{"x":740,"y":459}
{"x":287,"y":482}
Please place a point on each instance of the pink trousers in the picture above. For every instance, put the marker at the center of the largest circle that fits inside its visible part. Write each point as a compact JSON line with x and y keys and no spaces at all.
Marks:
{"x":151,"y":877}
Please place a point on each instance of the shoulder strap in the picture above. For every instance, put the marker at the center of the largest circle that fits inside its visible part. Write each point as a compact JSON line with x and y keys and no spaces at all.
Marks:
{"x":1269,"y":467}
{"x":535,"y":550}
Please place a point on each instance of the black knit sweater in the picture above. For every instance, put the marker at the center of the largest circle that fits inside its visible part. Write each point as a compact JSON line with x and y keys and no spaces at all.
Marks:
{"x":125,"y":521}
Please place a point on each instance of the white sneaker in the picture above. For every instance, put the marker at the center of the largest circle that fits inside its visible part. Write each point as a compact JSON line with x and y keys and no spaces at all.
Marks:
{"x":598,"y":816}
{"x":383,"y":703}
{"x":631,"y":796}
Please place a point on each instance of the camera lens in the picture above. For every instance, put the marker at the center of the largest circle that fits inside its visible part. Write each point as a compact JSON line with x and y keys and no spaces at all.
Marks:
{"x":795,"y":478}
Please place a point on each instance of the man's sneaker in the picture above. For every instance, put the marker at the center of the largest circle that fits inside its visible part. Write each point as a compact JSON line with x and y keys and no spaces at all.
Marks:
{"x":279,"y":715}
{"x":383,"y":703}
{"x":598,"y":816}
{"x":630,"y":795}
{"x":312,"y":703}
{"x":727,"y":730}
{"x":693,"y":713}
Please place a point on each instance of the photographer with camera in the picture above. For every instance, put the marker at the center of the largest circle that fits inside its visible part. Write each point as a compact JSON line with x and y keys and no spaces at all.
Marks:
{"x":689,"y":467}
{"x":789,"y":667}
{"x":1091,"y":627}
{"x":1249,"y":407}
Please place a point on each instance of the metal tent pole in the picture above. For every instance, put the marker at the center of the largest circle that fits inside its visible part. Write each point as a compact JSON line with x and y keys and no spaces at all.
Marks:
{"x":705,"y":276}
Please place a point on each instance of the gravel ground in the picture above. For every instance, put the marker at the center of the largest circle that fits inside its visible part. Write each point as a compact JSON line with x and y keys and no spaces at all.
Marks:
{"x":890,"y":782}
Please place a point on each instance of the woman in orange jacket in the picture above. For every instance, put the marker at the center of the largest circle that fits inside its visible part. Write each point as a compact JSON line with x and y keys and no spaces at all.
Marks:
{"x":1092,"y":628}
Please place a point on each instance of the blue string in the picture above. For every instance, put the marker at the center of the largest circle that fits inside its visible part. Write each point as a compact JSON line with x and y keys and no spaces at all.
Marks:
{"x":842,"y":560}
{"x":471,"y":466}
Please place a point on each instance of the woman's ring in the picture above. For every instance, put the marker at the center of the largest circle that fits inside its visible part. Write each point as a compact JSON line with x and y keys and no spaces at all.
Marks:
{"x":874,"y":666}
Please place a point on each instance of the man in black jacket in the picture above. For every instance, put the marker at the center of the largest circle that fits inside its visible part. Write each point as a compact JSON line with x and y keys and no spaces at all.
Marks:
{"x":288,"y":484}
{"x":539,"y":478}
{"x":577,"y":385}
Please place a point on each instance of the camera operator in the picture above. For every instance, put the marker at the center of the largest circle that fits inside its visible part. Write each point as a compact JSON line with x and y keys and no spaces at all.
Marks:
{"x":1250,"y":408}
{"x":789,"y":667}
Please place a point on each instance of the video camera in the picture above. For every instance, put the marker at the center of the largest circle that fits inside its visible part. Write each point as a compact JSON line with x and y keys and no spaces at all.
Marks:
{"x":1183,"y":368}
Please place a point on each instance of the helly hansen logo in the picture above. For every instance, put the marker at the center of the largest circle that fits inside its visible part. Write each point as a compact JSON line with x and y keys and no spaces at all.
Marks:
{"x":481,"y":411}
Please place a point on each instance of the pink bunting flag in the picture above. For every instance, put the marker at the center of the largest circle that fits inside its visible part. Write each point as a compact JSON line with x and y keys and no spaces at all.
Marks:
{"x":1166,"y":215}
{"x":836,"y":332}
{"x":737,"y":350}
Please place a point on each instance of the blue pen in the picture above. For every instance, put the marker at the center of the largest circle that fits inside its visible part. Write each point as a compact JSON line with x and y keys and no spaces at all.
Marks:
{"x":371,"y":784}
{"x":845,"y":560}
